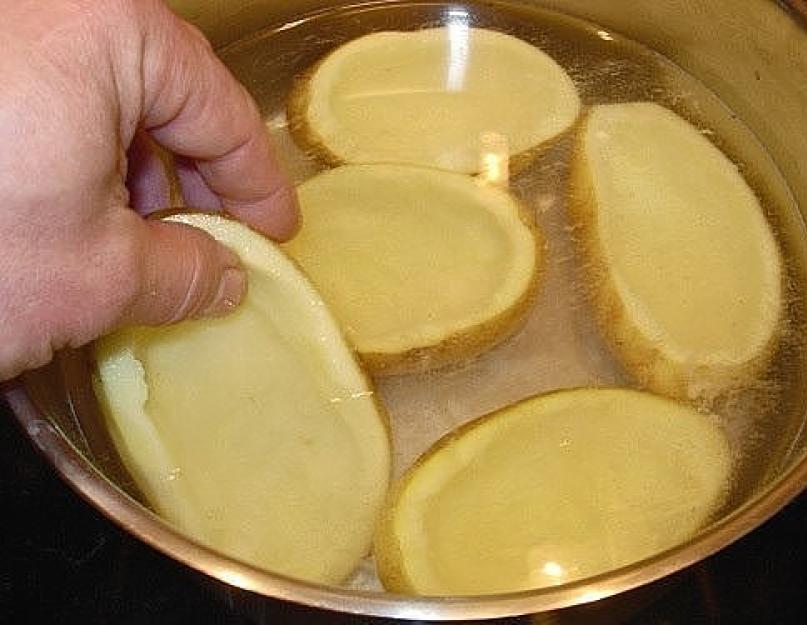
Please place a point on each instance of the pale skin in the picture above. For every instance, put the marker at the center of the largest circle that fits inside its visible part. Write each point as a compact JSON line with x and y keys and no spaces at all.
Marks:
{"x":83,"y":82}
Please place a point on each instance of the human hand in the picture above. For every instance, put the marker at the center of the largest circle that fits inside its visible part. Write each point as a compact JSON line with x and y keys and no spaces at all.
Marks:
{"x":83,"y":81}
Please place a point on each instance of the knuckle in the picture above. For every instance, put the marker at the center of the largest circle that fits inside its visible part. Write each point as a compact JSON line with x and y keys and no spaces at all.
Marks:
{"x":191,"y":281}
{"x":124,"y":278}
{"x":197,"y":36}
{"x":191,"y":291}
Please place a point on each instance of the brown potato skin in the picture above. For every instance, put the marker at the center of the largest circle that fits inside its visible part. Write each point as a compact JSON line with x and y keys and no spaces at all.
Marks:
{"x":470,"y":342}
{"x":313,"y":144}
{"x":387,"y":551}
{"x":390,"y":569}
{"x":639,"y":356}
{"x":467,"y":343}
{"x":297,"y":115}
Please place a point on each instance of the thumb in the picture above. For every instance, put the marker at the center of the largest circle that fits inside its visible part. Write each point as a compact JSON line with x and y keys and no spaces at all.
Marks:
{"x":122,"y":270}
{"x":184,"y":273}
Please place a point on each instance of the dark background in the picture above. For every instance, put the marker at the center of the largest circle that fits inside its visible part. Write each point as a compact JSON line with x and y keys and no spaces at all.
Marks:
{"x":62,"y":562}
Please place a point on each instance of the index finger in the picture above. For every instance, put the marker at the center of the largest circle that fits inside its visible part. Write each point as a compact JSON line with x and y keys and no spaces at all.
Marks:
{"x":194,"y":107}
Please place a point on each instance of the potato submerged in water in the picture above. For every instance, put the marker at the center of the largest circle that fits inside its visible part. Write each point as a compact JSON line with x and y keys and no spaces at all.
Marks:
{"x":422,"y":267}
{"x":684,"y":269}
{"x":256,"y":433}
{"x":556,"y":488}
{"x":428,"y":97}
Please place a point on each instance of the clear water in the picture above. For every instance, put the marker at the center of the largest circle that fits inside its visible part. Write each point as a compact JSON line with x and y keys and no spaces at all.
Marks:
{"x":560,"y":346}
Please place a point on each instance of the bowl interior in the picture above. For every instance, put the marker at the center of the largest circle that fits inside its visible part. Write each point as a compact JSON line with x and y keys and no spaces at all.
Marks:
{"x":269,"y":47}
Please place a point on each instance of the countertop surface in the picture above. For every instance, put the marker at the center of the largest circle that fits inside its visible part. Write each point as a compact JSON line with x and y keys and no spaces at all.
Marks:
{"x":63,"y":562}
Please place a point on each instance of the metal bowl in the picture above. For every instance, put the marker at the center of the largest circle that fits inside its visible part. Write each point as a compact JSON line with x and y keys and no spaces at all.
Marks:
{"x":751,"y":53}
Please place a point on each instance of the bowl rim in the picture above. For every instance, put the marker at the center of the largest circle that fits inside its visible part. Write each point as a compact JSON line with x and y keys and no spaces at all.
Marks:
{"x":88,"y":481}
{"x":99,"y":491}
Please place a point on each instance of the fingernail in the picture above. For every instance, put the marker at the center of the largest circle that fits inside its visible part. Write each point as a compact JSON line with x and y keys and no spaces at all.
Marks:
{"x":232,"y":286}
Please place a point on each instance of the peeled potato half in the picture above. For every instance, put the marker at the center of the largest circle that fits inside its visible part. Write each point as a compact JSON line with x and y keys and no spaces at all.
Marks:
{"x":422,"y":267}
{"x":430,"y":97}
{"x":553,"y":489}
{"x":256,"y":433}
{"x":686,"y":274}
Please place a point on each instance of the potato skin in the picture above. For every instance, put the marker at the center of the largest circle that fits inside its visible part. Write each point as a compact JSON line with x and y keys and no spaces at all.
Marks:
{"x":388,"y":553}
{"x":462,"y":344}
{"x":297,"y":115}
{"x":312,"y":143}
{"x":470,"y":342}
{"x":643,"y":359}
{"x":190,"y":218}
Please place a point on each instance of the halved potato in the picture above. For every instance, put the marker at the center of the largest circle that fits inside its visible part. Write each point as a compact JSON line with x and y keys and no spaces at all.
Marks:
{"x":685,"y":271}
{"x":256,"y":433}
{"x":430,"y":97}
{"x":555,"y":488}
{"x":422,"y":267}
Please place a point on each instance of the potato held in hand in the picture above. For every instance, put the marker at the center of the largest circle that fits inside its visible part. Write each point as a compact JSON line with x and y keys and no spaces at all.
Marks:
{"x":429,"y":97}
{"x":685,"y":272}
{"x":256,"y":433}
{"x":422,"y":267}
{"x":553,"y":489}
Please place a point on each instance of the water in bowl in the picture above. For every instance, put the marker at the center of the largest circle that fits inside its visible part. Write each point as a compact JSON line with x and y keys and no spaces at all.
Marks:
{"x":560,"y":346}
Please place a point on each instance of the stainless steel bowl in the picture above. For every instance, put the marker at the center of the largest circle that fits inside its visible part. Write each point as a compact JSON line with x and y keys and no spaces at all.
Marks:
{"x":751,"y":53}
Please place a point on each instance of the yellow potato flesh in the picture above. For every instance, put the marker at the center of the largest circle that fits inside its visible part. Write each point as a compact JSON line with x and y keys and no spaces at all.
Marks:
{"x":429,"y":97}
{"x":689,"y":257}
{"x":553,"y":489}
{"x":256,"y":432}
{"x":409,"y":257}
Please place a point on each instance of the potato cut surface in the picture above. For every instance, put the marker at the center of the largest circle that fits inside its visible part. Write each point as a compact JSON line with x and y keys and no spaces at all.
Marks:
{"x":687,"y":275}
{"x":256,"y":433}
{"x":553,"y":489}
{"x":421,"y":266}
{"x":431,"y":97}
